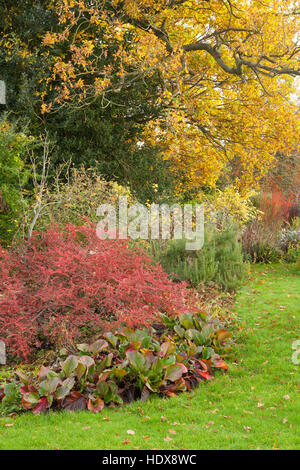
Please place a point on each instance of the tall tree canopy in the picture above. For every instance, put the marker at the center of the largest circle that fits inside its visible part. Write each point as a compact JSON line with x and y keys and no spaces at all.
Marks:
{"x":223,"y":73}
{"x":99,"y":133}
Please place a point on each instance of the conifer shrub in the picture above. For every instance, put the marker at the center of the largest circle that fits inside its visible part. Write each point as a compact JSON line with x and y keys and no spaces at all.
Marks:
{"x":220,"y":260}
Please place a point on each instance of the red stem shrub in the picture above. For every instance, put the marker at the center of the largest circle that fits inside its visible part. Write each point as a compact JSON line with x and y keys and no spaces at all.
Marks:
{"x":275,"y":207}
{"x":65,"y":280}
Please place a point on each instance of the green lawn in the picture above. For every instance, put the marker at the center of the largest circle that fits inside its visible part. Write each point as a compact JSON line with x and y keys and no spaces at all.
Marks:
{"x":255,"y":405}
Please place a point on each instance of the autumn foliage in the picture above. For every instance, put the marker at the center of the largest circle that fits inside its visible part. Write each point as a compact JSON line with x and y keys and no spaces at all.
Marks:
{"x":275,"y":207}
{"x":222,"y":70}
{"x":225,"y":70}
{"x":61,"y":281}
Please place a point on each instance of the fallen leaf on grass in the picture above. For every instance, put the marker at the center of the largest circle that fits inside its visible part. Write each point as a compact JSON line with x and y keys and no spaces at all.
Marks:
{"x":131,"y":432}
{"x":172,"y":431}
{"x":168,"y":439}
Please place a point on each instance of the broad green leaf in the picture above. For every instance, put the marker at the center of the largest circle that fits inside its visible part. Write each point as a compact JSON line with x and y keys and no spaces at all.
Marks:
{"x":65,"y":388}
{"x":137,"y":360}
{"x":111,"y":338}
{"x":48,"y":386}
{"x":69,"y":365}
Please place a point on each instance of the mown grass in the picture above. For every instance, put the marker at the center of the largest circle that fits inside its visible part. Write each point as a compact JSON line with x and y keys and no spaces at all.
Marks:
{"x":254,"y":406}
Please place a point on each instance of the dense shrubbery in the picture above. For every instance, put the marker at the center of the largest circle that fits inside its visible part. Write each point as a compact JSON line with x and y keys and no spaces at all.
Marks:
{"x":13,"y":148}
{"x":260,"y":244}
{"x":62,"y":281}
{"x":275,"y":208}
{"x":220,"y":260}
{"x":167,"y":359}
{"x":230,"y":203}
{"x":273,"y":236}
{"x":75,"y":201}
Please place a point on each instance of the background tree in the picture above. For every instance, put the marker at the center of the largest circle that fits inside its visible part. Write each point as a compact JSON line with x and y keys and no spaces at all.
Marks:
{"x":103,"y":134}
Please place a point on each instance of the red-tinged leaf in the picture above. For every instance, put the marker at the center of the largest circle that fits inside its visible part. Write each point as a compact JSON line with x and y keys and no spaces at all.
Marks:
{"x":29,"y":400}
{"x":183,"y":368}
{"x":220,"y":364}
{"x":167,"y":348}
{"x":74,"y":401}
{"x":96,"y":405}
{"x":65,"y":388}
{"x":27,"y":389}
{"x":2,"y":394}
{"x":103,"y":377}
{"x":180,"y":384}
{"x":205,"y":374}
{"x":130,"y":348}
{"x":203,"y":364}
{"x":43,"y":373}
{"x":42,"y":406}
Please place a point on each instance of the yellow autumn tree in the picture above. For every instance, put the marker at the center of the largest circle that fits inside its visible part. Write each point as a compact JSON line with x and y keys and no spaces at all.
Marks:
{"x":227,"y":72}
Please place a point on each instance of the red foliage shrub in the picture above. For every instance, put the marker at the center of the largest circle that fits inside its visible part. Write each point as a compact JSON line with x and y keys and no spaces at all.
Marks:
{"x":64,"y":280}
